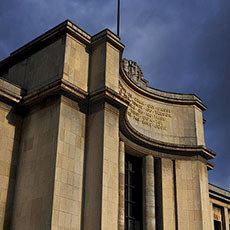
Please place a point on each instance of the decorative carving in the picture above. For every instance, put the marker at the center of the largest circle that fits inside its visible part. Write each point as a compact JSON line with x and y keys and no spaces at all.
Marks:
{"x":134,"y":72}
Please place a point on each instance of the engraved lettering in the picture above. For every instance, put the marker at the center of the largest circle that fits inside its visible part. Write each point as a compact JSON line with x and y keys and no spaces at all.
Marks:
{"x":148,"y":114}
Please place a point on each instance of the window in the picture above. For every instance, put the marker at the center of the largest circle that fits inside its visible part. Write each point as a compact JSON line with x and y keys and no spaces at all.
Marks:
{"x":218,"y":216}
{"x":217,"y":225}
{"x":133,"y":193}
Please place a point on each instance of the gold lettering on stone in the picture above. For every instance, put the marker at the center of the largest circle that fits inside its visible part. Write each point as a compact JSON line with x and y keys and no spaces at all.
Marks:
{"x":145,"y":113}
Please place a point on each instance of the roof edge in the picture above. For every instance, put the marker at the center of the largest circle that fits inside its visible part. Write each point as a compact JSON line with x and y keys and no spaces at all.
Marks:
{"x":67,"y":26}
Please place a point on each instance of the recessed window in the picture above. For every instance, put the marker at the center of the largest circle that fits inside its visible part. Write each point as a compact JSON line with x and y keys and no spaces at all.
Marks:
{"x":133,"y":193}
{"x":219,"y":217}
{"x":217,"y":225}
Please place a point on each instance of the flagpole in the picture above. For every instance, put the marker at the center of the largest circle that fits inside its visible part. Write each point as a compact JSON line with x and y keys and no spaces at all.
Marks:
{"x":118,"y":18}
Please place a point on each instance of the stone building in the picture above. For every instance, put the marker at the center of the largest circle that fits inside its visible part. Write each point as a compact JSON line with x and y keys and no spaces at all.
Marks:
{"x":86,"y":144}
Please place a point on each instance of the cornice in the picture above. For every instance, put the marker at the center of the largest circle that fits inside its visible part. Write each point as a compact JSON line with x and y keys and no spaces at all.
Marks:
{"x":63,"y":87}
{"x":210,"y":165}
{"x":10,"y":92}
{"x":219,"y":194}
{"x":108,"y":95}
{"x":168,"y":148}
{"x":108,"y":36}
{"x":57,"y":87}
{"x":78,"y":33}
{"x":9,"y":97}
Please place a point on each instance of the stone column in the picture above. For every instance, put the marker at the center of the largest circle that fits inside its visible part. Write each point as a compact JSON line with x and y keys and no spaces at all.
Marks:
{"x":121,"y":217}
{"x":226,"y":218}
{"x":169,"y":201}
{"x":149,"y":222}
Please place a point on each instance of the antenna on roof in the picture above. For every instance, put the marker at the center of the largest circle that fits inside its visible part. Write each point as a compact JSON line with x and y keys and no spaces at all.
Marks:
{"x":118,"y":18}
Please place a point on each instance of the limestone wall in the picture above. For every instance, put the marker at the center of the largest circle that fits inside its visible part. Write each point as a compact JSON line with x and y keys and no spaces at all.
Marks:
{"x":199,"y":127}
{"x":110,"y":192}
{"x":36,"y":168}
{"x":104,"y":65}
{"x":67,"y":203}
{"x":76,"y":63}
{"x":102,"y":175}
{"x":41,"y":68}
{"x":10,"y":129}
{"x":192,"y":195}
{"x":97,"y":68}
{"x":205,"y":200}
{"x":112,"y":67}
{"x":94,"y":166}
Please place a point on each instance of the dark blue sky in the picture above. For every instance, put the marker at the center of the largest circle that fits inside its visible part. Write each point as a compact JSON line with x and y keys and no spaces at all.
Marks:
{"x":181,"y":46}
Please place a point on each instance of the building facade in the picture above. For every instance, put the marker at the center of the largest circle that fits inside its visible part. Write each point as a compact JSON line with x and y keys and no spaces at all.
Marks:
{"x":86,"y":144}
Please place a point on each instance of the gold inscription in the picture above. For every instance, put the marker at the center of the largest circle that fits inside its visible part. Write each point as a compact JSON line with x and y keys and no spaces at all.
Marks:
{"x":147,"y":114}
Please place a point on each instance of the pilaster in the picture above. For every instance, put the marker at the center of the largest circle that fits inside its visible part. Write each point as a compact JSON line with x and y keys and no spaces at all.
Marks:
{"x":121,"y":217}
{"x":226,"y":217}
{"x":148,"y":193}
{"x":168,"y":195}
{"x":192,"y":195}
{"x":105,"y":61}
{"x":102,"y":172}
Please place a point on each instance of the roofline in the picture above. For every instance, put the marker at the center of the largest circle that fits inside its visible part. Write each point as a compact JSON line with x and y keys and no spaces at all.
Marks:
{"x":219,"y":193}
{"x":66,"y":26}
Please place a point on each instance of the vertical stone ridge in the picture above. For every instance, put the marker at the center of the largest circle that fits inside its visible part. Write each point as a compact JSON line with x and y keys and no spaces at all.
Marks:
{"x":67,"y":201}
{"x":121,"y":214}
{"x":226,"y":218}
{"x":56,"y":153}
{"x":93,"y":178}
{"x":149,"y":221}
{"x":110,"y":169}
{"x":204,"y":197}
{"x":84,"y":173}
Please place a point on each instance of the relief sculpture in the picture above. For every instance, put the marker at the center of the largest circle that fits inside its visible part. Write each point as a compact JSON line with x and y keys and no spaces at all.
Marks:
{"x":133,"y":71}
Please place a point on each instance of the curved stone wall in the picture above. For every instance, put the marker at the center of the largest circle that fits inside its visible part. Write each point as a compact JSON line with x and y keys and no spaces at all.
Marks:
{"x":168,"y":122}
